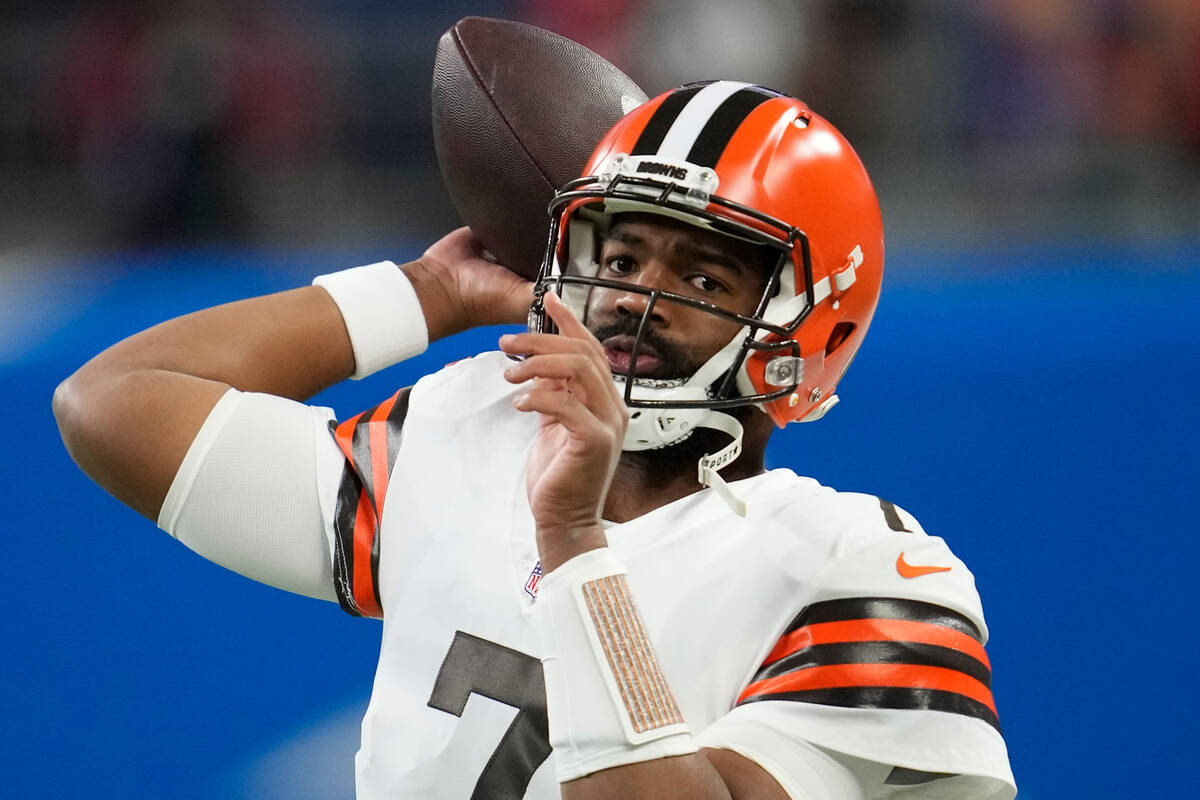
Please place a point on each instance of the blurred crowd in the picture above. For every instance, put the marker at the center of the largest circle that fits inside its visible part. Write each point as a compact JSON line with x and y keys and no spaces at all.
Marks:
{"x":306,"y":122}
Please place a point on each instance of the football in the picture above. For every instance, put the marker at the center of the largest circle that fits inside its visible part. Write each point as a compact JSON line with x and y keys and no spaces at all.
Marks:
{"x":517,"y":111}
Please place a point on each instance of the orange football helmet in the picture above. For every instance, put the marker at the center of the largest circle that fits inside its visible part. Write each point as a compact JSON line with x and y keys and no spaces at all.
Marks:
{"x":760,"y":166}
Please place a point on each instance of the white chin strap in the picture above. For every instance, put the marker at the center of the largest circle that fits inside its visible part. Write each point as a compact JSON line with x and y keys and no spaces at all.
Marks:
{"x":654,"y":428}
{"x":709,"y":464}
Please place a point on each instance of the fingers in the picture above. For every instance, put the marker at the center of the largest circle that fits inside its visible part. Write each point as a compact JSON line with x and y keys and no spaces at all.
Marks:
{"x":555,"y":401}
{"x":570,"y":374}
{"x":578,"y":340}
{"x":573,"y":336}
{"x":568,"y":324}
{"x":460,"y":243}
{"x":576,"y":375}
{"x":561,"y":356}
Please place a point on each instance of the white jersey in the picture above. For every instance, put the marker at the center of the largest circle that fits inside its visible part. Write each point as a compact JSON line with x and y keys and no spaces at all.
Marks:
{"x":819,"y":617}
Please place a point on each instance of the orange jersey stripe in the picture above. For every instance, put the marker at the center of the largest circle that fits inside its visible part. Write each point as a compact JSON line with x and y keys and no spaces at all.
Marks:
{"x":344,"y":436}
{"x":876,"y":630}
{"x":884,"y":675}
{"x":364,"y":540}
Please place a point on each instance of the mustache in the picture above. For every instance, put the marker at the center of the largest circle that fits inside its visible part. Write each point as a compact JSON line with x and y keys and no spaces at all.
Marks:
{"x":674,"y":362}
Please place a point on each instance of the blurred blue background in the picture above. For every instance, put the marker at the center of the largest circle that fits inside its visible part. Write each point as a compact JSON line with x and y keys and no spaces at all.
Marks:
{"x":1027,"y":390}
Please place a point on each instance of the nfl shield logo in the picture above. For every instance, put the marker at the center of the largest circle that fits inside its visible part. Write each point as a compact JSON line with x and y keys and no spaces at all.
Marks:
{"x":535,"y":577}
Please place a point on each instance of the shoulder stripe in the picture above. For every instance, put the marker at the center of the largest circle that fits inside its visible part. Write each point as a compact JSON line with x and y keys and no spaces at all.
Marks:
{"x":876,"y":630}
{"x":892,"y":516}
{"x":370,"y":443}
{"x":345,"y":519}
{"x":371,"y":440}
{"x":869,"y":631}
{"x":844,"y":676}
{"x":364,"y":544}
{"x":885,"y":608}
{"x":879,"y":652}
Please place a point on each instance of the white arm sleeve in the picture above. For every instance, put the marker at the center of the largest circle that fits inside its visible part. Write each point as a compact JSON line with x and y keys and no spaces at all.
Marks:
{"x":256,"y":492}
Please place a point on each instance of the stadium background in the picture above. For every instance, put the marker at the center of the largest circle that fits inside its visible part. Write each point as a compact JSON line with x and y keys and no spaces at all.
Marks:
{"x":1028,"y":390}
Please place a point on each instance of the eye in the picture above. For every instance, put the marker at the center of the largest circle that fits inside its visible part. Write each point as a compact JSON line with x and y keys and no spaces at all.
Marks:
{"x":707,"y":284}
{"x":620,"y":265}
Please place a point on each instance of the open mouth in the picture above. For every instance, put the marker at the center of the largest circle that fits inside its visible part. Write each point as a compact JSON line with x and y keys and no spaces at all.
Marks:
{"x":622,"y":359}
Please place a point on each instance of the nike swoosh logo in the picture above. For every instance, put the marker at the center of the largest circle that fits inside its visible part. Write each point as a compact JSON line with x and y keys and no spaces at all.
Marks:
{"x":907,"y":570}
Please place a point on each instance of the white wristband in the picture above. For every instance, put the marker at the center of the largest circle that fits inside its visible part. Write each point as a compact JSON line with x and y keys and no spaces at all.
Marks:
{"x":382,"y":314}
{"x":607,"y":700}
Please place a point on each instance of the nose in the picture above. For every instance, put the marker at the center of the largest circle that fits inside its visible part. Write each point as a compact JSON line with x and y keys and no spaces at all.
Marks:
{"x":631,"y":303}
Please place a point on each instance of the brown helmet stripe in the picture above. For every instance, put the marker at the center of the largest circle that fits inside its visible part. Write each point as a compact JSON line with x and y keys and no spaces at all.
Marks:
{"x":663,"y":118}
{"x":724,"y":122}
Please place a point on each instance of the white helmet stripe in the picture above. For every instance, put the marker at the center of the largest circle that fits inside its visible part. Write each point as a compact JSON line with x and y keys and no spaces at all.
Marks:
{"x":694,"y":116}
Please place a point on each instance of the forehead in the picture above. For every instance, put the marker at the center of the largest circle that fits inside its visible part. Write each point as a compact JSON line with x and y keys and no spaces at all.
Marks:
{"x":654,"y":227}
{"x":679,"y":238}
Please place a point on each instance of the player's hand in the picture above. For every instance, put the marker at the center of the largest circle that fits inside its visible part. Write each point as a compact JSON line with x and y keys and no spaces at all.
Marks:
{"x":568,"y":382}
{"x":460,"y":289}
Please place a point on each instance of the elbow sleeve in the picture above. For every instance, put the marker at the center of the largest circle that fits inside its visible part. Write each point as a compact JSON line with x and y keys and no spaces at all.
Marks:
{"x":255,"y":492}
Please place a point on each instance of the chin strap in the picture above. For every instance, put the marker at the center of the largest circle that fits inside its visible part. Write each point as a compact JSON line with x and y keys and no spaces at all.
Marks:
{"x":651,"y":429}
{"x":708,"y":466}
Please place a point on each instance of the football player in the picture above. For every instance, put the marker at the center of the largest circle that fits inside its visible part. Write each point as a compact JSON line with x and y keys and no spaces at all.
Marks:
{"x":627,"y":603}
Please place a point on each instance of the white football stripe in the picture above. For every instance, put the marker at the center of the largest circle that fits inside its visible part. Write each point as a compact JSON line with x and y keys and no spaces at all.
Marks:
{"x":691,"y":120}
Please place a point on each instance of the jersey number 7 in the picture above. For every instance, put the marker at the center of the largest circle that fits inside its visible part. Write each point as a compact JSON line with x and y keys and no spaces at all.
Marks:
{"x":474,"y":665}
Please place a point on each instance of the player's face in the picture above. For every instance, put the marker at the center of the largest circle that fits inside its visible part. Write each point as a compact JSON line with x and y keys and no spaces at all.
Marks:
{"x":659,"y":253}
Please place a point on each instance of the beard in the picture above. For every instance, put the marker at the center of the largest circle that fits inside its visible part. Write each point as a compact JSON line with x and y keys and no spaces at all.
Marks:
{"x":675,"y":364}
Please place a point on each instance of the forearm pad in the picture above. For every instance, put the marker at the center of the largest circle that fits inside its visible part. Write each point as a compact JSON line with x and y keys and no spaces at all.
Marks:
{"x":607,"y":699}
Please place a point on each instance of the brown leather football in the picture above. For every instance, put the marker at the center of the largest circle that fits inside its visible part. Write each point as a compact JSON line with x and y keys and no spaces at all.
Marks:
{"x":517,"y":111}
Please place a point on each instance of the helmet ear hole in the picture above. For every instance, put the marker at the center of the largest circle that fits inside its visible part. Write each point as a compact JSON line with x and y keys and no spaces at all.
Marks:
{"x":841,"y":332}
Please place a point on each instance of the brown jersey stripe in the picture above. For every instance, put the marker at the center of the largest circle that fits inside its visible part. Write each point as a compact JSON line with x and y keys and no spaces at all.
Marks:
{"x":345,"y":514}
{"x":902,"y":776}
{"x":913,"y":653}
{"x":352,"y":439}
{"x":843,"y":676}
{"x":857,"y":608}
{"x":890,"y":697}
{"x":355,"y":560}
{"x":876,"y":630}
{"x":892,"y":516}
